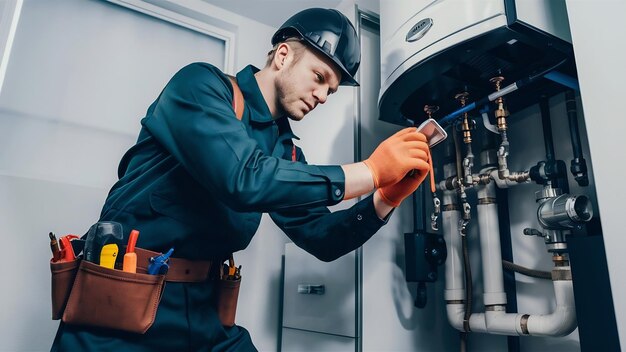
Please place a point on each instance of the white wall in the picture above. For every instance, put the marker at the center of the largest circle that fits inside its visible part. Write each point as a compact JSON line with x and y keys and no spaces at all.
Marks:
{"x":600,"y":55}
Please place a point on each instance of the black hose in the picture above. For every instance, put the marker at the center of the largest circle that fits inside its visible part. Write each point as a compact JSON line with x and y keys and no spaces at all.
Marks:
{"x":468,"y":286}
{"x":570,"y":104}
{"x":457,"y":149}
{"x":419,"y":223}
{"x":578,"y":166}
{"x":463,"y":346}
{"x":526,"y":271}
{"x":547,"y":127}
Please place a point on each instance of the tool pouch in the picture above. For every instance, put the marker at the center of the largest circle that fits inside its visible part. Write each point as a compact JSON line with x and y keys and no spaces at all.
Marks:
{"x":63,"y":274}
{"x":113,"y":299}
{"x":227,"y":293}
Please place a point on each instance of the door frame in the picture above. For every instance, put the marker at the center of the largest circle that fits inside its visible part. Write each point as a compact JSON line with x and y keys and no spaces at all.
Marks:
{"x":372,"y":19}
{"x":193,"y":16}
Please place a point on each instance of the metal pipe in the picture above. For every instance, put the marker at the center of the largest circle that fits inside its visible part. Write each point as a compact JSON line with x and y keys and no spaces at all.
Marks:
{"x":564,"y":211}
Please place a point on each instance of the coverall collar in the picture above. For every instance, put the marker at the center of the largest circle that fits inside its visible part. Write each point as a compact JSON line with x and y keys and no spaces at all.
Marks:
{"x":259,"y":111}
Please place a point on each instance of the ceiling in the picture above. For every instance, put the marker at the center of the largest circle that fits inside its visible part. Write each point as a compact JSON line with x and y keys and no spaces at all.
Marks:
{"x":270,"y":12}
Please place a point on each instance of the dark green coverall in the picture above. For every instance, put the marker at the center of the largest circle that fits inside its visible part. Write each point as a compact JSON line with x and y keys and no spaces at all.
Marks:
{"x":198,"y":180}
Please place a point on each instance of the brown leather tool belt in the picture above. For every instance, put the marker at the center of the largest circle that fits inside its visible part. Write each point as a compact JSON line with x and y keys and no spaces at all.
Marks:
{"x":180,"y":270}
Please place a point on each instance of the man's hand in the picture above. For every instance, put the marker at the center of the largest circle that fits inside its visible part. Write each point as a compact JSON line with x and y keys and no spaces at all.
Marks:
{"x":396,"y":156}
{"x":393,"y":195}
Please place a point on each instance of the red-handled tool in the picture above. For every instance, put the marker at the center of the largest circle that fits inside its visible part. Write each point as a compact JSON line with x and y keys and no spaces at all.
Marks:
{"x":130,"y":258}
{"x":67,"y":252}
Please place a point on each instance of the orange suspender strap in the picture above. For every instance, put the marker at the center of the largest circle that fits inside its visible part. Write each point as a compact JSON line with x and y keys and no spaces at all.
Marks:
{"x":238,"y":104}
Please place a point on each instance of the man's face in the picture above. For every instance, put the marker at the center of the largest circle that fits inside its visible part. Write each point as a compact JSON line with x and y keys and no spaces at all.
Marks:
{"x":305,"y":82}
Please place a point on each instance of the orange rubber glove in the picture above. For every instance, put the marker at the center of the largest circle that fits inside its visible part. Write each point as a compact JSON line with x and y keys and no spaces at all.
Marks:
{"x":397,"y":155}
{"x":394,"y":194}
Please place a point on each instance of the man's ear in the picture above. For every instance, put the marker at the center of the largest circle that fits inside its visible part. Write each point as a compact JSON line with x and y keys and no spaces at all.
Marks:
{"x":282,"y":55}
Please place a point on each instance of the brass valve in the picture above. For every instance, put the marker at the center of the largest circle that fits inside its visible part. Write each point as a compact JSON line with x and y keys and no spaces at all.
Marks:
{"x":501,"y":111}
{"x":465,"y":126}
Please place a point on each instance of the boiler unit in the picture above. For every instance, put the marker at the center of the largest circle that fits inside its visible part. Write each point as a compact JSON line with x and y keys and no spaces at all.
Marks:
{"x":498,"y":75}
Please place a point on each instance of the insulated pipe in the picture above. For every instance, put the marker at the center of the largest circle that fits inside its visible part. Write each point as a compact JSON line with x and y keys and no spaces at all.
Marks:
{"x":495,"y":320}
{"x":455,"y":287}
{"x":500,"y":323}
{"x":489,"y":227}
{"x":561,"y":322}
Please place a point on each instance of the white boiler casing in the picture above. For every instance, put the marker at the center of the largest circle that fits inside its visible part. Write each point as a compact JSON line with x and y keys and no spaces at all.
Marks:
{"x":432,"y":49}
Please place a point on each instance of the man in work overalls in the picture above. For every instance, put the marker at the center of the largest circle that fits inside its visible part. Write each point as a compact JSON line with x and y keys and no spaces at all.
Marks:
{"x":198,"y":178}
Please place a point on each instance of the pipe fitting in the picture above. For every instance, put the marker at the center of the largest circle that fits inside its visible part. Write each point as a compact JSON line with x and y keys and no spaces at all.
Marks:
{"x":561,"y":322}
{"x":564,"y":211}
{"x":503,"y":153}
{"x":501,"y":183}
{"x":501,"y":112}
{"x":519,"y":177}
{"x":468,"y":163}
{"x":448,"y":184}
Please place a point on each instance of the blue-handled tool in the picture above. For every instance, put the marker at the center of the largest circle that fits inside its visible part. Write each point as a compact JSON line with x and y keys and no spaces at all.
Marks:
{"x":158,"y":265}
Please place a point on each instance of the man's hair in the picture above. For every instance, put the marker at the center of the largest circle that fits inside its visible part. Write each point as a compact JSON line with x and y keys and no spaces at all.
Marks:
{"x":296,"y":44}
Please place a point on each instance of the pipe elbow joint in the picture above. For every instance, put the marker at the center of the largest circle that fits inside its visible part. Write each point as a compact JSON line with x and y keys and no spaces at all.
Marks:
{"x":456,"y":312}
{"x":560,"y":323}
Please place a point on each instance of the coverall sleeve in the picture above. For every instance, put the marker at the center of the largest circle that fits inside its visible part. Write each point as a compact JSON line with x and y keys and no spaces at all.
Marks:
{"x":193,"y":119}
{"x":327,"y":235}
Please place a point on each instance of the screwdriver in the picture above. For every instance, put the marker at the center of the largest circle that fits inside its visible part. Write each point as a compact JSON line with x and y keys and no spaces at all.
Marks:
{"x":130,"y":258}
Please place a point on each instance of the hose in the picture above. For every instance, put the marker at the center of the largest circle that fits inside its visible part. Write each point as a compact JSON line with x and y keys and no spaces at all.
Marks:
{"x":578,"y":166}
{"x":457,"y":150}
{"x":463,"y":346}
{"x":570,"y":103}
{"x":468,"y":286}
{"x":547,"y":127}
{"x":526,"y":271}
